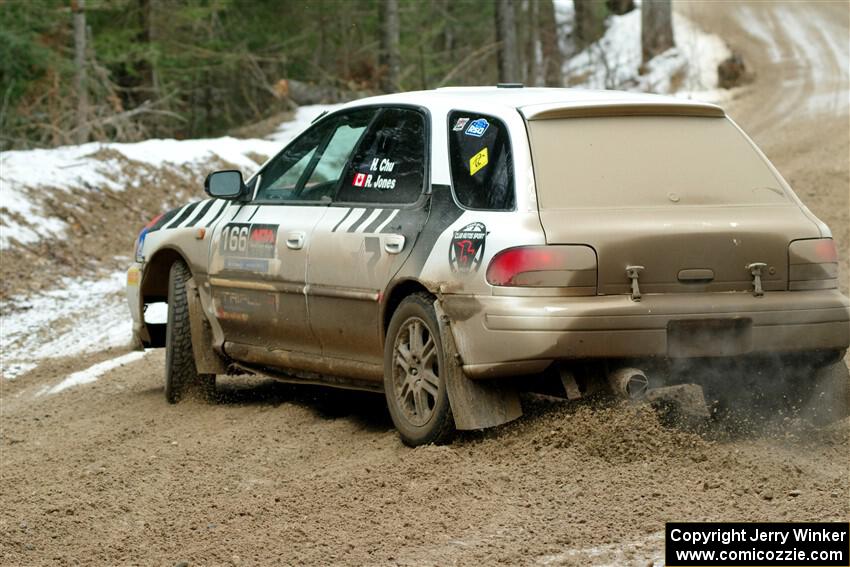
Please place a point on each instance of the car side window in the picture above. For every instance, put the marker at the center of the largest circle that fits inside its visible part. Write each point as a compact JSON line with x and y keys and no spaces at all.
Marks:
{"x":389,"y":165}
{"x":310,"y":167}
{"x":481,"y":162}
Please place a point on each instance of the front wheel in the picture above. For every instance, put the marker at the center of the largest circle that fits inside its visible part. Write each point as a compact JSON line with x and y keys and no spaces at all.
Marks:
{"x":414,"y":374}
{"x":180,"y":371}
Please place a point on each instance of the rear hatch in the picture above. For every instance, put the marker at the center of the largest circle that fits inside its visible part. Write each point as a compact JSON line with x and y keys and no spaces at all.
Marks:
{"x":687,"y":197}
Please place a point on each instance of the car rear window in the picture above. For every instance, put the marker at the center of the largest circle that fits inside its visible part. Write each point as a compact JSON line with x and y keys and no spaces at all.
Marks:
{"x":481,"y":162}
{"x":648,"y":161}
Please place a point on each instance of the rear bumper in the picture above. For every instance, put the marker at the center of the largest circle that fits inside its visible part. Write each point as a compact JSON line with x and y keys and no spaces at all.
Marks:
{"x":500,"y":336}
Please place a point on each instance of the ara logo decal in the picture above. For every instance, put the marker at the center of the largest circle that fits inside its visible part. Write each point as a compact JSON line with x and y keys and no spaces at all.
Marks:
{"x":467,"y":248}
{"x":477,"y":127}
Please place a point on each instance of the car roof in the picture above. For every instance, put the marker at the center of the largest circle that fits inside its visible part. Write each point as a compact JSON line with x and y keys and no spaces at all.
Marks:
{"x":542,"y":103}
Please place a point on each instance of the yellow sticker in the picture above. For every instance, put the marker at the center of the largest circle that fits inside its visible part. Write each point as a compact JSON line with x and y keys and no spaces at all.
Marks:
{"x":478,"y":161}
{"x":133,"y":276}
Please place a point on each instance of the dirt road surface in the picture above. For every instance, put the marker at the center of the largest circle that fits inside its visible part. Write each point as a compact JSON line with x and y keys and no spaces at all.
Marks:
{"x":108,"y":474}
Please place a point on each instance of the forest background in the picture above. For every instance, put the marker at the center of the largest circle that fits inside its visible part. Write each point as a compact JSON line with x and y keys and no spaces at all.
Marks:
{"x":73,"y":71}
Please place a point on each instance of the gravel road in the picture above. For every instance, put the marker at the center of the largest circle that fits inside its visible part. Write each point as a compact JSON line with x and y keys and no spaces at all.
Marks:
{"x":108,"y":474}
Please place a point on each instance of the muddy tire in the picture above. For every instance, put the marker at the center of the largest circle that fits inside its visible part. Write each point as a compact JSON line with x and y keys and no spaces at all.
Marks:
{"x":180,"y":373}
{"x":414,"y":374}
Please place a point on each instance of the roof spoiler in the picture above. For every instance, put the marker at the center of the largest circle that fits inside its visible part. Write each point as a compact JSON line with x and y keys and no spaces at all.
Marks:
{"x":618,"y":108}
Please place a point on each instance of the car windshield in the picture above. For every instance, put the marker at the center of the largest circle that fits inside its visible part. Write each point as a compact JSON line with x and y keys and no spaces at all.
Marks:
{"x":648,"y":161}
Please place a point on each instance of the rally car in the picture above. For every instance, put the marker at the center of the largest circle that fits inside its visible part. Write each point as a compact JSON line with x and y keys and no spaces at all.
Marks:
{"x":440,"y":246}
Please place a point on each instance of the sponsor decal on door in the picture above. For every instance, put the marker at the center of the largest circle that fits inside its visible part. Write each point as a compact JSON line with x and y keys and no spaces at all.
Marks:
{"x":249,"y":240}
{"x":467,"y":247}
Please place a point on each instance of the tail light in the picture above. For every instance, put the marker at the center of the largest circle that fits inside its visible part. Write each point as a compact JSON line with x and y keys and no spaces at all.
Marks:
{"x":140,"y":241}
{"x":812,"y":264}
{"x":567,"y":266}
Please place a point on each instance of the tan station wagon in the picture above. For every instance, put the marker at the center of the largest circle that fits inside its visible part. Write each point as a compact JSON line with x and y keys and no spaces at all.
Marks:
{"x":447,"y":247}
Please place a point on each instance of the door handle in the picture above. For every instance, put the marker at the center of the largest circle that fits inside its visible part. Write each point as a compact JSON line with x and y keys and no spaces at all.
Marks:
{"x":394,"y":243}
{"x":295,"y":240}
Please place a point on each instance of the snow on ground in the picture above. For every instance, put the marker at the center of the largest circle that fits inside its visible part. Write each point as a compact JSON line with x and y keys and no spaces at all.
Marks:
{"x":614,"y":61}
{"x":93,"y":372}
{"x":77,"y":317}
{"x":82,"y":316}
{"x":75,"y":167}
{"x":70,"y":167}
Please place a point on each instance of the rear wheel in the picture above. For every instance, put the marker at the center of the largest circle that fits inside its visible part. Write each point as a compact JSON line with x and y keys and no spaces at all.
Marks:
{"x":414,"y":374}
{"x":181,"y":376}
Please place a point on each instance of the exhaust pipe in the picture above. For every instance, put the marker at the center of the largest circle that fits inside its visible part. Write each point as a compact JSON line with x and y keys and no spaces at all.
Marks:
{"x":628,"y":383}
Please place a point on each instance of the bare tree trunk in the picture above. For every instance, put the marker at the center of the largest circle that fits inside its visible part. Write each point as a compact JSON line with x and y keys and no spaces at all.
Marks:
{"x":553,"y":59}
{"x":523,"y":40}
{"x":448,"y":30}
{"x":147,"y":65}
{"x":506,"y":35}
{"x":535,"y":52}
{"x":656,"y":34}
{"x":589,"y":20}
{"x":78,"y":8}
{"x":620,"y":7}
{"x":144,"y":68}
{"x":320,"y":56}
{"x":389,"y":51}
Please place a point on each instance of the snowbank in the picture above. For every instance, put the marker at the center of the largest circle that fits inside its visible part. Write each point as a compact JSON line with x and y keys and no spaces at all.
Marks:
{"x":614,"y":61}
{"x":78,"y":167}
{"x":304,"y":116}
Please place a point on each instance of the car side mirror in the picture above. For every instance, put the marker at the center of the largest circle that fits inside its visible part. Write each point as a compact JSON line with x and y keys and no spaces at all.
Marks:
{"x":226,"y":184}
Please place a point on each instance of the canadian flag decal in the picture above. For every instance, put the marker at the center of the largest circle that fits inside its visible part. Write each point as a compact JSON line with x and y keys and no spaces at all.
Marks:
{"x":359,"y":180}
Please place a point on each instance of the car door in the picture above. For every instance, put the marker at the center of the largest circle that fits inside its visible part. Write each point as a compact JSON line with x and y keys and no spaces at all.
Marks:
{"x":258,"y":257}
{"x":367,"y":233}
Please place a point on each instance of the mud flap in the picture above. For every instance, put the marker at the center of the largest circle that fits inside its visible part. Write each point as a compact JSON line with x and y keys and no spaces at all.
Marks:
{"x":475,"y":404}
{"x":207,"y":361}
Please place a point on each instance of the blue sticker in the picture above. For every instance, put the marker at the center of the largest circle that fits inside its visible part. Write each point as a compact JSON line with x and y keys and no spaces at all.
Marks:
{"x":140,"y":243}
{"x":477,"y":127}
